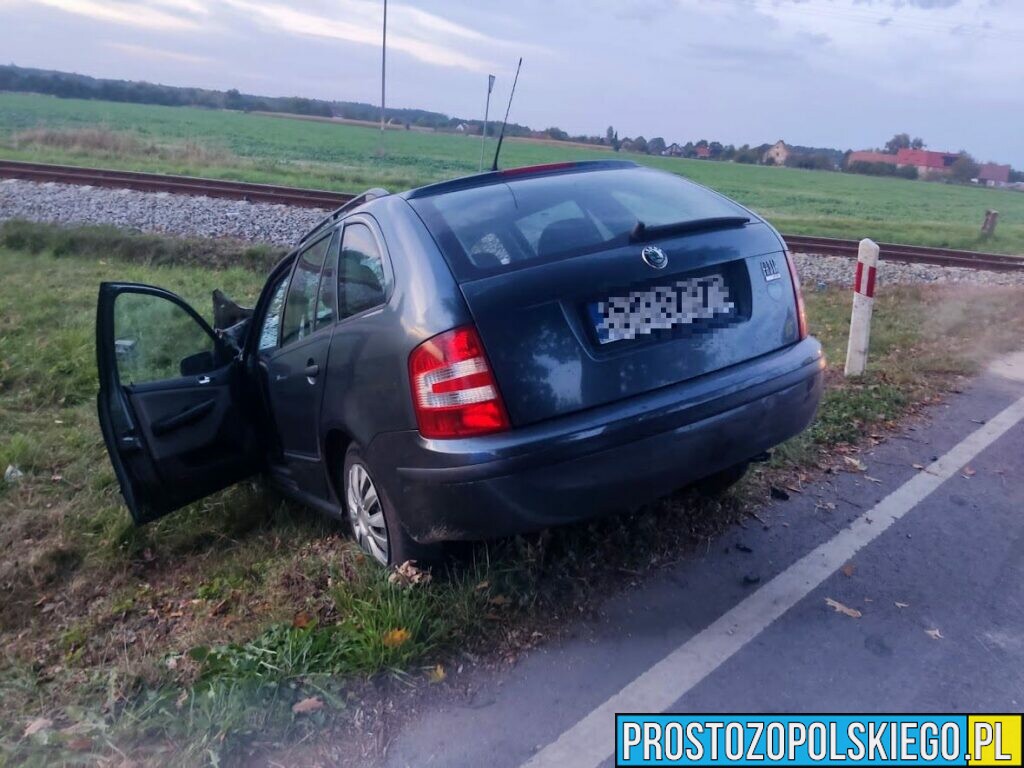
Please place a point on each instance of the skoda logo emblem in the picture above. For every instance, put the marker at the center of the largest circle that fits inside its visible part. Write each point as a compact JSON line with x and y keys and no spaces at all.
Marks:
{"x":654,"y":257}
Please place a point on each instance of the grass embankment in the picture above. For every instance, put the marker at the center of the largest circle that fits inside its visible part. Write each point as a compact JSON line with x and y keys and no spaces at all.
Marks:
{"x":190,"y":640}
{"x":348,"y":158}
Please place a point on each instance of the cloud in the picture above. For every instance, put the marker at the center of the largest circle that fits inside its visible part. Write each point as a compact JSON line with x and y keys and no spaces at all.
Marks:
{"x":131,"y":14}
{"x":410,"y":30}
{"x":148,"y":52}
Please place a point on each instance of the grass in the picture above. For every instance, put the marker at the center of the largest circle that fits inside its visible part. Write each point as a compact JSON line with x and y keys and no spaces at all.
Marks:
{"x":345,"y":157}
{"x":189,"y":641}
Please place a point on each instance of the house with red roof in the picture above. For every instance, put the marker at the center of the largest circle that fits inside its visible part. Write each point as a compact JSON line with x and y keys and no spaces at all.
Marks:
{"x":993,"y":175}
{"x":926,"y":161}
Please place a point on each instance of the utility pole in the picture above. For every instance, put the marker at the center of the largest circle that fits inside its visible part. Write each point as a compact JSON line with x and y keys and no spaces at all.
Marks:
{"x":383,"y":65}
{"x":487,"y":111}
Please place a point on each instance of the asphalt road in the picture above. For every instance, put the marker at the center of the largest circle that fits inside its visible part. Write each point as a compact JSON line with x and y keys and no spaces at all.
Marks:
{"x":932,"y":558}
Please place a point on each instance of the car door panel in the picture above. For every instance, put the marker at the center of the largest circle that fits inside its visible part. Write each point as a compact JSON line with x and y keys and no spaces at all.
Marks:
{"x":295,"y":373}
{"x":175,"y":438}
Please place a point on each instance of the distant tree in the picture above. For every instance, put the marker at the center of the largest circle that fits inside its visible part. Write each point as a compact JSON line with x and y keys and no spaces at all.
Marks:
{"x":917,"y":143}
{"x":656,"y":145}
{"x":810,"y":162}
{"x":611,"y":137}
{"x":898,"y":142}
{"x":728,"y":152}
{"x":640,"y":145}
{"x":747,"y":155}
{"x":964,"y":169}
{"x":1016,"y":176}
{"x":689,"y":150}
{"x":715,"y":148}
{"x":557,"y":133}
{"x":233,"y":100}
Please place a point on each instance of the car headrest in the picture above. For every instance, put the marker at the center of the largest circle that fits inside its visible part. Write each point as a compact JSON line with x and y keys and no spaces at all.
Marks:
{"x":567,"y":234}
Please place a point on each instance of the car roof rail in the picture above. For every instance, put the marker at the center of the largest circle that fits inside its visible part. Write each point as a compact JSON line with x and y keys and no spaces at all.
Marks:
{"x":355,"y":202}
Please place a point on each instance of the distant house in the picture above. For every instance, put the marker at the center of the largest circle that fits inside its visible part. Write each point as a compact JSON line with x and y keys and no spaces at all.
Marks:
{"x":702,"y":153}
{"x":992,"y":175}
{"x":777,"y":154}
{"x":926,"y":161}
{"x":869,"y":156}
{"x":673,"y":150}
{"x":461,"y":128}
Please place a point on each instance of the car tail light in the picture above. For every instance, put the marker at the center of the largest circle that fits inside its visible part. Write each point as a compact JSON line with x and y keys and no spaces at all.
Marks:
{"x":801,"y":314}
{"x":454,"y":392}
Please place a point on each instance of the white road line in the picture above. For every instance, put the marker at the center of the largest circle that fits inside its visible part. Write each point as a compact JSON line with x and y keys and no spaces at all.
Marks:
{"x":591,"y":740}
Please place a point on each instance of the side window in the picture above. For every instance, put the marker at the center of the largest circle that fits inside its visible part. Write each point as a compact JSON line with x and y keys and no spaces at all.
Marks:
{"x":272,"y":320}
{"x":299,"y":310}
{"x":360,"y":271}
{"x":155,"y":339}
{"x":326,"y":300}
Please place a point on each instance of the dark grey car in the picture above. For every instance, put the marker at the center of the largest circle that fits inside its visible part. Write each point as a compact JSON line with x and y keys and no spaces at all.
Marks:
{"x":494,"y":354}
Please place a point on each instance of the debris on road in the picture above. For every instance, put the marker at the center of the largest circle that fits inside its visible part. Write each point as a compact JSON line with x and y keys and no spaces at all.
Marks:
{"x":846,"y":610}
{"x":778,"y":493}
{"x":934,"y":634}
{"x":855,"y":463}
{"x":12,"y":474}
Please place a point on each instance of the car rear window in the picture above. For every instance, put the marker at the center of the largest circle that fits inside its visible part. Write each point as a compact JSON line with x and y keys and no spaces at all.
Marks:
{"x":497,"y":227}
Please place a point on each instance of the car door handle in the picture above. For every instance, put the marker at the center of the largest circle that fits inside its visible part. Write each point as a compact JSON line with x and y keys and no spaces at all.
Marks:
{"x":178,"y":420}
{"x":312,"y":370}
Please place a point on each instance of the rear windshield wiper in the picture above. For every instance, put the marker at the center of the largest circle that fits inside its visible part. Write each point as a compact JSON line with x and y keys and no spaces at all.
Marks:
{"x":642,"y":232}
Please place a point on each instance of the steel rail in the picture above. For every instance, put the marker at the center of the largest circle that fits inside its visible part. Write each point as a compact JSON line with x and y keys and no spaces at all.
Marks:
{"x":158,"y":182}
{"x":318,"y":198}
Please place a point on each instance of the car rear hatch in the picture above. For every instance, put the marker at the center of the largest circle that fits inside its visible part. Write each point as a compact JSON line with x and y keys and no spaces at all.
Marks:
{"x":578,"y":306}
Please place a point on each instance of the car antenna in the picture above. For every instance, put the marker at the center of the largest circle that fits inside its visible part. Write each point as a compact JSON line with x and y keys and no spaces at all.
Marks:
{"x":501,"y":135}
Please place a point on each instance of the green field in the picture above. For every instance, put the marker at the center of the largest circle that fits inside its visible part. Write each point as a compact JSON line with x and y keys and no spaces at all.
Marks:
{"x":349,"y":158}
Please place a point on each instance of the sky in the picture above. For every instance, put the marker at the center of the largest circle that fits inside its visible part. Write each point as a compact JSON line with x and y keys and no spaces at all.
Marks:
{"x":840,"y":73}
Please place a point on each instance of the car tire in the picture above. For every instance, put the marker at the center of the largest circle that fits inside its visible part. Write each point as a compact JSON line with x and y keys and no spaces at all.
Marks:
{"x":722,"y":481}
{"x":375,"y":525}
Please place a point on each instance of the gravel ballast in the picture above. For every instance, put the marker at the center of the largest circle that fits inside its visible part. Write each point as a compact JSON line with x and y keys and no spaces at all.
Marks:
{"x":189,"y":216}
{"x":162,"y":212}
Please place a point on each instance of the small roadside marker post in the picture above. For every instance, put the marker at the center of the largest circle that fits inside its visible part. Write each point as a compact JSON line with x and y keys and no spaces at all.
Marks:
{"x":863,"y":301}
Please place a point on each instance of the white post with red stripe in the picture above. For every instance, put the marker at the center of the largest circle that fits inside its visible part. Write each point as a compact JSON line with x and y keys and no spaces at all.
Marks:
{"x":863,"y":301}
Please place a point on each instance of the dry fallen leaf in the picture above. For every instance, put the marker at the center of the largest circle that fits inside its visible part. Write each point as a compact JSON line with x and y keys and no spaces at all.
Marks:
{"x":396,"y":637}
{"x":873,"y":479}
{"x":408,"y":575}
{"x":312,"y":704}
{"x":437,"y":674}
{"x":846,"y":610}
{"x":483,"y":585}
{"x":80,"y":744}
{"x":934,"y":634}
{"x":499,"y":600}
{"x":37,"y":725}
{"x":849,"y":569}
{"x":919,"y":466}
{"x":856,"y":463}
{"x":902,"y":605}
{"x":969,"y":472}
{"x":302,"y":620}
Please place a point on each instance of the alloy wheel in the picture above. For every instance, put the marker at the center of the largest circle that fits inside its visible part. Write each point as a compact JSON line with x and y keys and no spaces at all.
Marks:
{"x":366,"y":514}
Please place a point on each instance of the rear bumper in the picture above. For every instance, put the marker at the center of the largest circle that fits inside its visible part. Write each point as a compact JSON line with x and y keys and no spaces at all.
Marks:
{"x":579,"y":466}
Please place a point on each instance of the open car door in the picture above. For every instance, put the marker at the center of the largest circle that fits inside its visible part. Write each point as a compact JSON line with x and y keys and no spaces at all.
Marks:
{"x":172,"y":402}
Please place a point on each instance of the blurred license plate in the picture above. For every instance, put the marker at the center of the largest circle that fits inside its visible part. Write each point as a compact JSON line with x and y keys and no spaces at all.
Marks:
{"x":640,"y":313}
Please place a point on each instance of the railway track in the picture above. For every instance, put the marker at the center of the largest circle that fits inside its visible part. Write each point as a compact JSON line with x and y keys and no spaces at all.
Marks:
{"x":318,"y":198}
{"x":180,"y":185}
